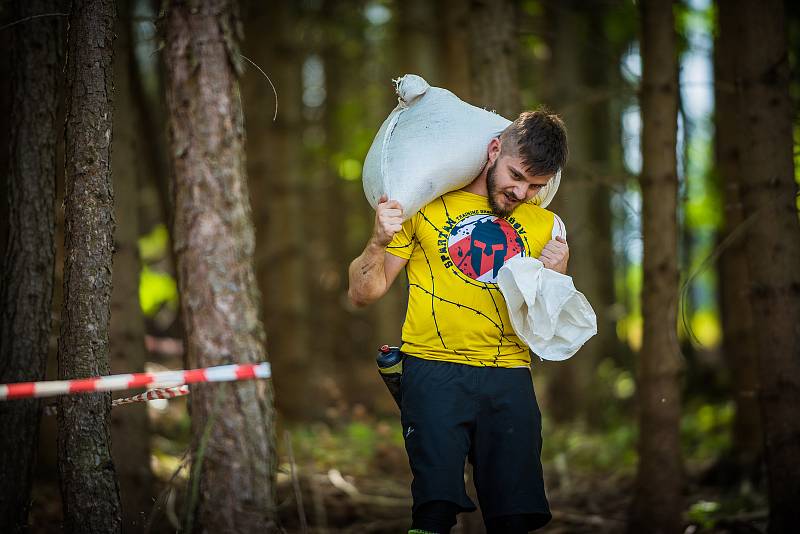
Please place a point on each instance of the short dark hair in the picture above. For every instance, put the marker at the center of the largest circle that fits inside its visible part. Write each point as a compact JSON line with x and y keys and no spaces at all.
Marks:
{"x":540,"y":140}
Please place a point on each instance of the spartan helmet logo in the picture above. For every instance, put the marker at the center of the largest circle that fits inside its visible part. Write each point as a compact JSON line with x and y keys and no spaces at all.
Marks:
{"x":487,"y":247}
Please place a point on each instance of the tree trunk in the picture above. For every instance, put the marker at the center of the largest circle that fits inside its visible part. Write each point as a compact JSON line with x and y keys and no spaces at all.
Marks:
{"x":89,"y":488}
{"x":579,"y":74}
{"x":275,"y":173}
{"x":416,"y":37}
{"x":657,"y":506}
{"x":232,"y":482}
{"x":129,"y":425}
{"x":768,"y":193}
{"x":6,"y":69}
{"x":493,"y":56}
{"x":739,"y":336}
{"x":453,"y":18}
{"x":26,"y":286}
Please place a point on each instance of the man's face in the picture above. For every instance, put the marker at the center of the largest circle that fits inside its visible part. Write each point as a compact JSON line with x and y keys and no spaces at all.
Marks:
{"x":508,"y":184}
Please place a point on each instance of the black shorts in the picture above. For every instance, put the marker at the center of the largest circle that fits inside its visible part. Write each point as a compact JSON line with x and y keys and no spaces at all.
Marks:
{"x":451,"y":412}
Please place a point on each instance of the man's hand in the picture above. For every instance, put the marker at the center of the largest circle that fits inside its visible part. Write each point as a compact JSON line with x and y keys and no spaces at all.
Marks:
{"x":555,"y":255}
{"x":388,"y":221}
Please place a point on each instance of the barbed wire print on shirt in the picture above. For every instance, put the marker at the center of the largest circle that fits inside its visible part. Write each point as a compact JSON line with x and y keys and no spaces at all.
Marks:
{"x":473,"y":246}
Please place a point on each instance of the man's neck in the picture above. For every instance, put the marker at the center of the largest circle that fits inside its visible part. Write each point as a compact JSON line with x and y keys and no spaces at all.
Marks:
{"x":478,"y":185}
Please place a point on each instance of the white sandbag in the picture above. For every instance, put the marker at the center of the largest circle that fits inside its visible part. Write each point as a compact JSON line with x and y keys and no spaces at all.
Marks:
{"x":431,"y":143}
{"x":552,"y":317}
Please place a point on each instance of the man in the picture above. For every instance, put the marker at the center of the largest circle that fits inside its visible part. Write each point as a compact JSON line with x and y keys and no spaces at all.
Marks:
{"x":466,"y":384}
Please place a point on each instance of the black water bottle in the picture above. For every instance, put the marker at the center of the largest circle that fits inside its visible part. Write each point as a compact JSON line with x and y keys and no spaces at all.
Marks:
{"x":390,"y":365}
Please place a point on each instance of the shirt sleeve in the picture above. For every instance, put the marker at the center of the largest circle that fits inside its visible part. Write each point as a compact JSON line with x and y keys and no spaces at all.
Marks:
{"x":403,"y":241}
{"x":559,"y":229}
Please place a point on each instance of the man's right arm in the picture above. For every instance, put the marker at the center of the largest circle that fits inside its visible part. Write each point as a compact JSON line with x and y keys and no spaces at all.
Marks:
{"x":372,"y":273}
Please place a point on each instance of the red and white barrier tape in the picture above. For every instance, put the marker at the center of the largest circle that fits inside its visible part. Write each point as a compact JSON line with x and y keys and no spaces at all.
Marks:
{"x":152,"y":394}
{"x":163,"y":379}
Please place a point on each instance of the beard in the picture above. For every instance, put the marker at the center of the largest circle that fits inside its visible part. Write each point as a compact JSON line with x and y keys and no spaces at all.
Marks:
{"x":491,"y":189}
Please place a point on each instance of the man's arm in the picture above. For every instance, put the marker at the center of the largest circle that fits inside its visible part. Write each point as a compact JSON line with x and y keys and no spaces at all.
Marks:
{"x":372,"y":273}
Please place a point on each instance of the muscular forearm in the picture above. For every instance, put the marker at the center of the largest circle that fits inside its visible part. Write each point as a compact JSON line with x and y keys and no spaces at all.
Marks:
{"x":367,"y":275}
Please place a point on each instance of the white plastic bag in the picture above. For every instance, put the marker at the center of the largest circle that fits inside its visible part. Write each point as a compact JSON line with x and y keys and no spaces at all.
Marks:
{"x":552,"y":317}
{"x":431,"y":143}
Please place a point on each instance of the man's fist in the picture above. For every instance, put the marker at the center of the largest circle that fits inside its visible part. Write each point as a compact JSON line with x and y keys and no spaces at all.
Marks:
{"x":388,"y":221}
{"x":555,"y":255}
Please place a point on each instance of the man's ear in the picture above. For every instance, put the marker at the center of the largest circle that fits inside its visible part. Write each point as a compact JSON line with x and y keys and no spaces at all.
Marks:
{"x":493,"y":150}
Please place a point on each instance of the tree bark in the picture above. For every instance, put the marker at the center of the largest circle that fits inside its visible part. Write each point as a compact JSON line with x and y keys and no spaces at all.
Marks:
{"x":130,"y":429}
{"x":739,"y":336}
{"x":275,"y":174}
{"x":580,"y":75}
{"x":26,"y":286}
{"x":657,"y":506}
{"x":232,"y":482}
{"x":416,"y":36}
{"x":493,"y":56}
{"x":768,"y":193}
{"x":454,"y":41}
{"x":89,"y":488}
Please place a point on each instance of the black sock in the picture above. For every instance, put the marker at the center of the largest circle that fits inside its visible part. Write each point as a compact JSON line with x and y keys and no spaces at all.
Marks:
{"x":507,"y":524}
{"x":435,"y":516}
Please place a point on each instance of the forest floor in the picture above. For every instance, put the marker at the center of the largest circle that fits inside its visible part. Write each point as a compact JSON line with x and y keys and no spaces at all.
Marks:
{"x":377,"y":501}
{"x":351,"y":475}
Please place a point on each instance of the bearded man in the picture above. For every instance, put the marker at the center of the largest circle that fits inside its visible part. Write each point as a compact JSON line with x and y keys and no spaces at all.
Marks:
{"x":466,"y":388}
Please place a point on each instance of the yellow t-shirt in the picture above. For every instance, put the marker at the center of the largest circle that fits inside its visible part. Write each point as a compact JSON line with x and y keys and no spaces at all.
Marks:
{"x":455,"y":246}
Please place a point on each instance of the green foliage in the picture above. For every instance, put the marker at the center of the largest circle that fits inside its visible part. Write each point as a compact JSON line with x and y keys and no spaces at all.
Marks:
{"x":155,"y":290}
{"x":705,"y":430}
{"x":590,"y":451}
{"x":704,"y":207}
{"x":629,"y":289}
{"x":621,"y":24}
{"x":702,"y":513}
{"x":617,"y":381}
{"x":350,"y":169}
{"x":706,"y":328}
{"x":707,"y":513}
{"x":153,"y":246}
{"x":351,"y":447}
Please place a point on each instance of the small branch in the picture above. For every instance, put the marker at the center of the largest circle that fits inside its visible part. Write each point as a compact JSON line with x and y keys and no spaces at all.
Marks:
{"x":26,"y":19}
{"x":579,"y":519}
{"x":274,"y":91}
{"x":351,"y":491}
{"x":296,"y":486}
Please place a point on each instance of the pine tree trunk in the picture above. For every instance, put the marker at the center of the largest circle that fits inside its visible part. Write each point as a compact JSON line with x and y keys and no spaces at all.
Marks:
{"x":739,"y":336}
{"x":89,"y":488}
{"x":232,"y":482}
{"x":275,"y":173}
{"x":768,"y":193}
{"x":579,"y":74}
{"x":493,"y":56}
{"x":129,"y":425}
{"x":453,"y":18}
{"x":657,"y":505}
{"x":416,"y":39}
{"x":26,"y":286}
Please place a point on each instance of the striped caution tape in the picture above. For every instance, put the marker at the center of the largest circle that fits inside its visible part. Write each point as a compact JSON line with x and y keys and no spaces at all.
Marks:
{"x":163,"y":379}
{"x":152,"y":394}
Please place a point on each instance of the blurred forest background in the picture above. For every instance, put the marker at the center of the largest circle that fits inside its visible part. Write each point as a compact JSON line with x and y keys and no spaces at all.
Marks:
{"x":340,"y":458}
